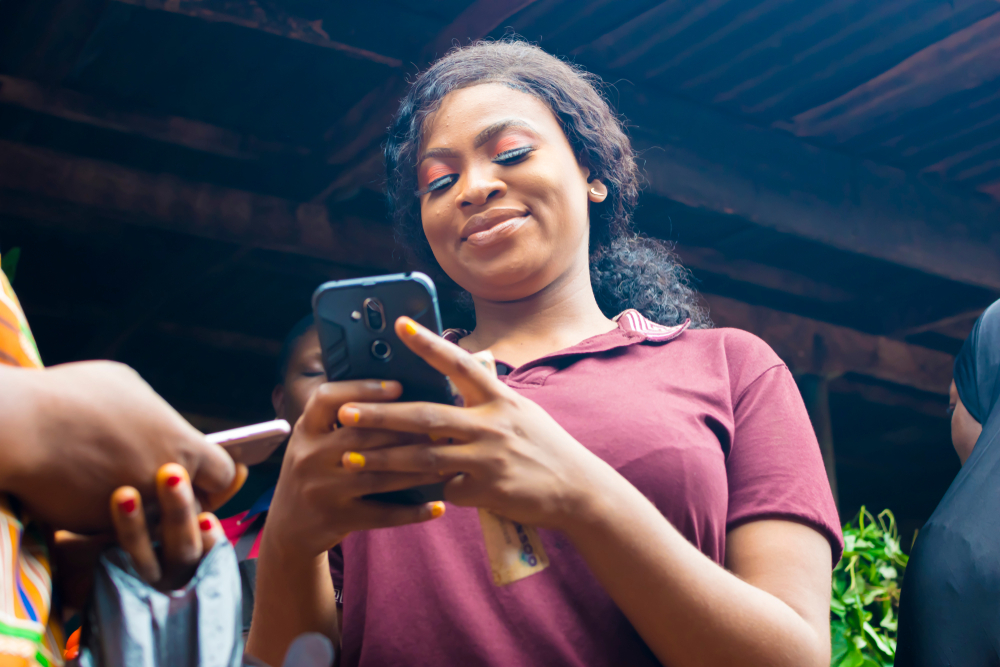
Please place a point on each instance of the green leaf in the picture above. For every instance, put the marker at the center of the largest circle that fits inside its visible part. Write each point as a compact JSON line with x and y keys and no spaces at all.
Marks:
{"x":8,"y":263}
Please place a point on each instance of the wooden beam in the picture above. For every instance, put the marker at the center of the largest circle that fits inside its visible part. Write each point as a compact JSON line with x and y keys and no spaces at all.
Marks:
{"x":43,"y":184}
{"x":933,"y":406}
{"x":957,"y":325}
{"x":818,"y":348}
{"x":357,"y":138}
{"x":708,"y":160}
{"x":781,"y":280}
{"x":196,"y":135}
{"x":254,"y":17}
{"x":964,"y":60}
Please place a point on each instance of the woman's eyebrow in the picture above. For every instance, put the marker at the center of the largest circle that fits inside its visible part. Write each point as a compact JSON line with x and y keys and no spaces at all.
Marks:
{"x":437,"y":152}
{"x":498,"y":127}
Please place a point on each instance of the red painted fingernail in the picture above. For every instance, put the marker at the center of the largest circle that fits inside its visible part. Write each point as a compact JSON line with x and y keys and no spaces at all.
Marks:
{"x":205,"y":524}
{"x":127,"y":506}
{"x":173,"y":480}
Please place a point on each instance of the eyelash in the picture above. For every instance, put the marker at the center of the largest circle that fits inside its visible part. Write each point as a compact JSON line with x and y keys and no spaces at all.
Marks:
{"x":506,"y":158}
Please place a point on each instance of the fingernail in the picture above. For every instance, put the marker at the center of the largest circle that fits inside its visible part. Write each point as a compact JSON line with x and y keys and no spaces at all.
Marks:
{"x":352,"y":414}
{"x":437,"y":509}
{"x":354,"y":459}
{"x":205,"y":525}
{"x":434,"y":438}
{"x":173,"y":480}
{"x":384,"y":384}
{"x":410,"y":326}
{"x":127,"y":506}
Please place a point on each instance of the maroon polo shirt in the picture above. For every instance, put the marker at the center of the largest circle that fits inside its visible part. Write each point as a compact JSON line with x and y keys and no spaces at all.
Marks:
{"x":707,"y":424}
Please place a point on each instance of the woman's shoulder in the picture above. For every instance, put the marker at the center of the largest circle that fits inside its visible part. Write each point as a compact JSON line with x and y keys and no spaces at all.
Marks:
{"x":745,"y":356}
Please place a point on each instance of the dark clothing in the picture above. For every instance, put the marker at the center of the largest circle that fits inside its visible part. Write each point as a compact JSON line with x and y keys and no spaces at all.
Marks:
{"x":707,"y":424}
{"x":950,"y":606}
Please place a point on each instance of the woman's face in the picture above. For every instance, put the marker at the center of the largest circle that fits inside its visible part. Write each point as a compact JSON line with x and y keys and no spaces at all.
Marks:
{"x":504,"y":201}
{"x":965,"y":430}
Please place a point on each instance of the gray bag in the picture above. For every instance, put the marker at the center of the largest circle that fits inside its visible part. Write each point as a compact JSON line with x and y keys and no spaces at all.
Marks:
{"x":131,"y":623}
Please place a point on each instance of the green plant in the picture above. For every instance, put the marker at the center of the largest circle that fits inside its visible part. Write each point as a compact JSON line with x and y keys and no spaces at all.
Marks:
{"x":866,"y":585}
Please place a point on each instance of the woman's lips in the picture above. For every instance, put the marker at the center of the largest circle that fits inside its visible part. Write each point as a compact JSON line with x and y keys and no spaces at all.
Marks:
{"x":496,"y":232}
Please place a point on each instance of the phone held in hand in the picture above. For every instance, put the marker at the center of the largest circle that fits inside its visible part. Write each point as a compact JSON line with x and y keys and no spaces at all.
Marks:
{"x":356,"y":324}
{"x":252,"y":444}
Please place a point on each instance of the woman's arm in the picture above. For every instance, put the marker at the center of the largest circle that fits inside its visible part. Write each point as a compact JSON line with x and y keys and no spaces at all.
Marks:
{"x":772,"y":609}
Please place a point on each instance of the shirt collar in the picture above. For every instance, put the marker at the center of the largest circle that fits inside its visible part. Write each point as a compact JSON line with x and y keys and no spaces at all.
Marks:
{"x":628,"y":320}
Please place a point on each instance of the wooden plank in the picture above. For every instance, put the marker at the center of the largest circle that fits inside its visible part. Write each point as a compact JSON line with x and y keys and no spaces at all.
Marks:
{"x":196,"y":135}
{"x":41,"y":183}
{"x":706,"y":159}
{"x":713,"y":261}
{"x":818,"y":348}
{"x":356,"y":140}
{"x":252,"y":16}
{"x":933,"y":406}
{"x":964,"y":60}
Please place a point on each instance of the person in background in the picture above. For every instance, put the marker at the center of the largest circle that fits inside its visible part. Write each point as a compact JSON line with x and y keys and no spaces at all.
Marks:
{"x":951,"y":588}
{"x":70,"y":437}
{"x":299,"y":374}
{"x":670,"y":467}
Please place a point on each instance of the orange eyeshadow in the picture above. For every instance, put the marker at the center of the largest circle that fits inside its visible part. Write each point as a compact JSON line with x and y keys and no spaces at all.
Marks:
{"x":435,"y":172}
{"x":510,"y":142}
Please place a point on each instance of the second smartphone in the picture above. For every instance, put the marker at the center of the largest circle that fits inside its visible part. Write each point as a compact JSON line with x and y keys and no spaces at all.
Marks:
{"x":356,"y":324}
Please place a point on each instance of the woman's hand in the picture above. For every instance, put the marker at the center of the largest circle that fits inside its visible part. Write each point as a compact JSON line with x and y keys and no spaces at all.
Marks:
{"x":508,"y":455}
{"x":185,"y":535}
{"x":74,"y":433}
{"x":318,"y":501}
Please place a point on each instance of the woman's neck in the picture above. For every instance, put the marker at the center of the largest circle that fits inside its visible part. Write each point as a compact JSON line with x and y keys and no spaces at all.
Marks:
{"x":555,"y":318}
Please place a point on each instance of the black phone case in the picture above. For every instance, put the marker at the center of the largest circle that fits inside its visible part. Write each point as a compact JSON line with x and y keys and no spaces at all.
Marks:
{"x":352,"y":347}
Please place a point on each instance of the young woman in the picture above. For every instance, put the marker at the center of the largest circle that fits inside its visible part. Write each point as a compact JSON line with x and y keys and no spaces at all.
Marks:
{"x":947,"y":612}
{"x":671,"y":467}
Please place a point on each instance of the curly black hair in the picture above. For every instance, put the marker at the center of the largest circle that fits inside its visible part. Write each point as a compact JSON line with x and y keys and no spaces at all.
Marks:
{"x":627,"y":270}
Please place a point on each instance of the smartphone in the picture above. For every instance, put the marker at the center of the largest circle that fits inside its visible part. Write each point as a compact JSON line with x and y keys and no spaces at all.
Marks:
{"x":252,"y":444}
{"x":356,"y":324}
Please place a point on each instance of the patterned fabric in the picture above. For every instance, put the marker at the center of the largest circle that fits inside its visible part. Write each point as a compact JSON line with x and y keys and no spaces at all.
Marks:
{"x":28,"y":634}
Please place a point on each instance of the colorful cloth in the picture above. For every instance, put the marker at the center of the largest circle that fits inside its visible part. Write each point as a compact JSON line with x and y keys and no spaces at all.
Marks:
{"x":29,"y":636}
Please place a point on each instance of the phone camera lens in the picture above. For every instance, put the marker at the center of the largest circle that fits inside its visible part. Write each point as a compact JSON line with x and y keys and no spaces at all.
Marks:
{"x":381,"y":350}
{"x":373,"y":315}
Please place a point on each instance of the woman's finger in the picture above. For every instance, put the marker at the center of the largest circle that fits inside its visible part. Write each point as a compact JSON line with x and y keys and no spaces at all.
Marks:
{"x":182,"y":546}
{"x":133,"y":535}
{"x":211,"y":530}
{"x":364,"y":483}
{"x":437,"y":460}
{"x":432,"y":419}
{"x":320,"y":415}
{"x":474,"y":382}
{"x":383,"y":515}
{"x":363,"y":439}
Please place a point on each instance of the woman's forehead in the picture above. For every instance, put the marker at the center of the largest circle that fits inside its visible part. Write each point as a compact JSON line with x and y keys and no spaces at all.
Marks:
{"x":465,"y":113}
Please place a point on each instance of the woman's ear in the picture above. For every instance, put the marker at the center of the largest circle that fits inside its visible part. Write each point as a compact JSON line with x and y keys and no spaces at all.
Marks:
{"x":598,"y":191}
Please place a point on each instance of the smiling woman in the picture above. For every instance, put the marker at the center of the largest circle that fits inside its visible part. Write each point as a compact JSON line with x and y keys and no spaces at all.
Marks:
{"x":671,"y":469}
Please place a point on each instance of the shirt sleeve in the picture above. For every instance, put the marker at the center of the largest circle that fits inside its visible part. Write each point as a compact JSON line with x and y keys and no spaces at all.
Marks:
{"x":774,"y":467}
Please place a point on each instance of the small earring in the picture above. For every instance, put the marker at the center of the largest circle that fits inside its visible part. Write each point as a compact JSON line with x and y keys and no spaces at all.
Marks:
{"x":600,"y":195}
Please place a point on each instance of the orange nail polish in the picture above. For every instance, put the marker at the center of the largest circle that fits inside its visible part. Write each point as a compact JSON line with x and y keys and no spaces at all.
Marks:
{"x":411,"y":327}
{"x":437,"y":509}
{"x":127,"y":506}
{"x":205,"y":525}
{"x":173,"y":480}
{"x":355,"y":459}
{"x":352,"y":414}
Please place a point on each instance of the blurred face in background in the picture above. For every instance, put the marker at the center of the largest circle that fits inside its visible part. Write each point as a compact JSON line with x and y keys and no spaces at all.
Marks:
{"x":304,"y":375}
{"x":965,"y":430}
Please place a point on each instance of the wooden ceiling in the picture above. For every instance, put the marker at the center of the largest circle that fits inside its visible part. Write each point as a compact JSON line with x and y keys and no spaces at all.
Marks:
{"x":181,"y":174}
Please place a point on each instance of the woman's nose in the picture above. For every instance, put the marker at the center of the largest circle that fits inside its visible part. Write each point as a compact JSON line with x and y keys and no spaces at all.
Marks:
{"x":481,"y":186}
